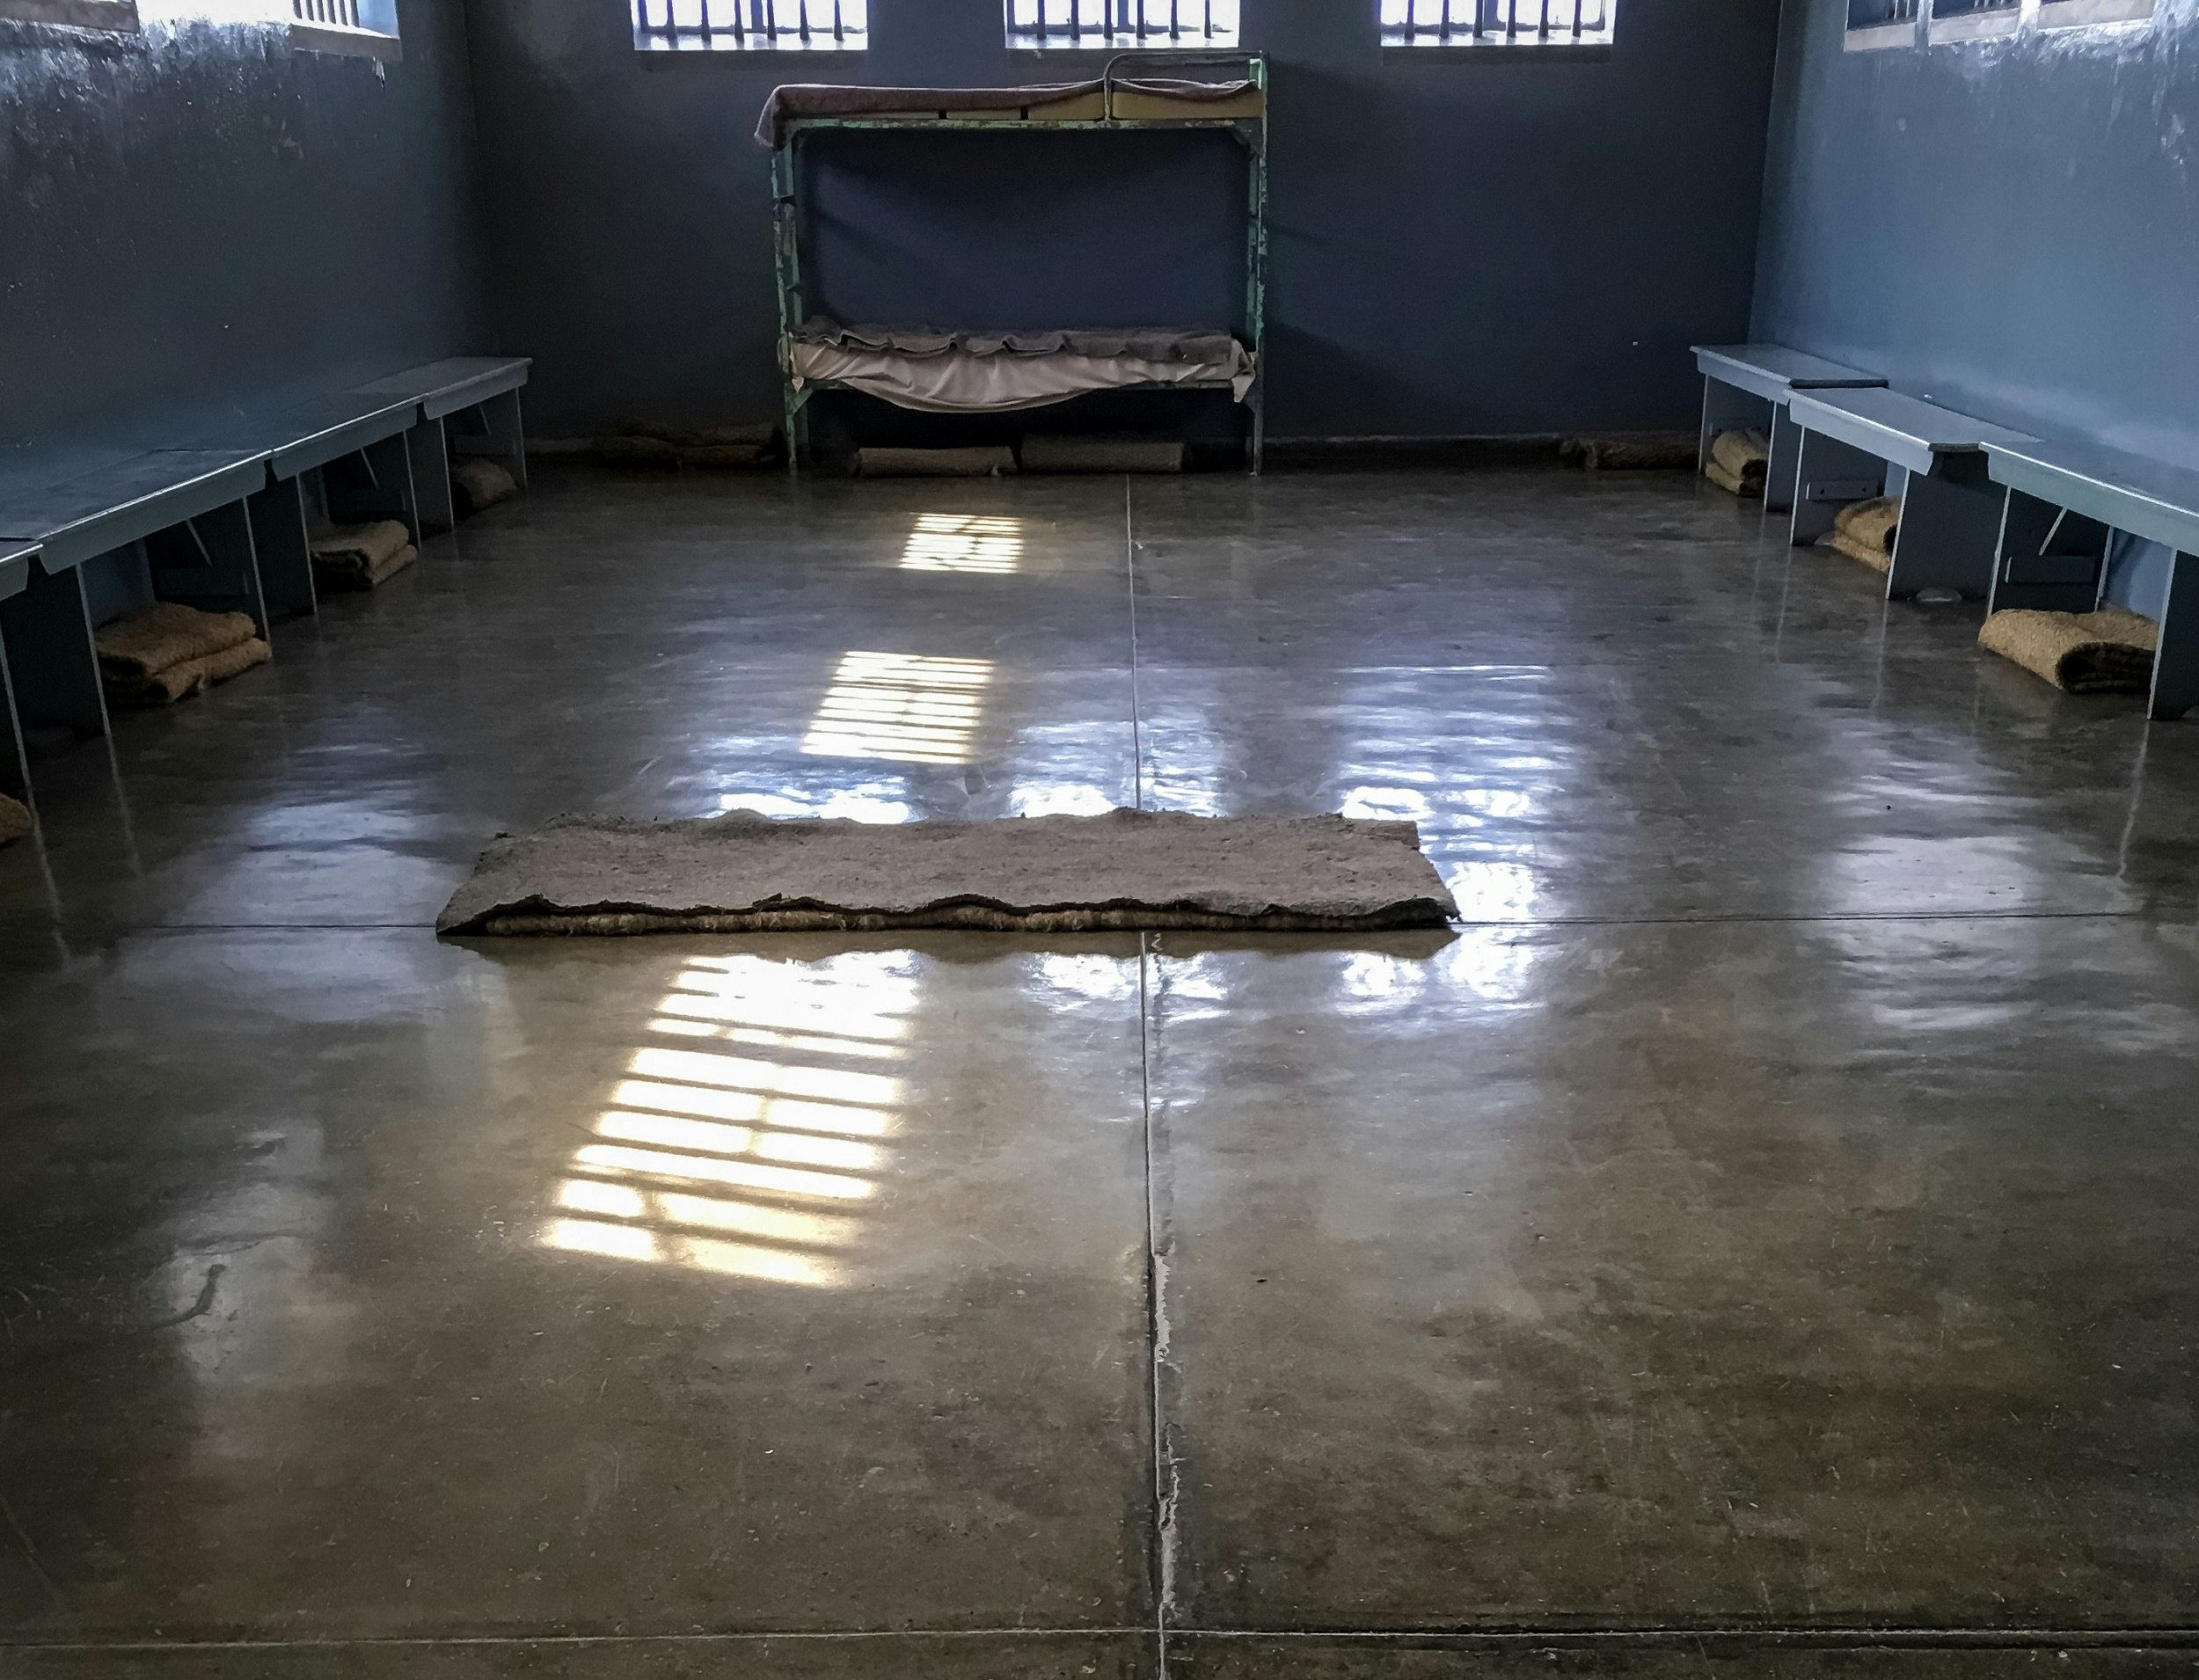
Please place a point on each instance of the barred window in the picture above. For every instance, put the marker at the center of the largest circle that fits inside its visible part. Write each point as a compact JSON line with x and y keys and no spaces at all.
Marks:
{"x":1497,"y":23}
{"x":1124,"y":26}
{"x":751,"y":25}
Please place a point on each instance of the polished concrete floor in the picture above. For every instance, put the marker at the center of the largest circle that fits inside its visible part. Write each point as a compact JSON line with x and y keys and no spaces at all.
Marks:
{"x":1759,"y":1242}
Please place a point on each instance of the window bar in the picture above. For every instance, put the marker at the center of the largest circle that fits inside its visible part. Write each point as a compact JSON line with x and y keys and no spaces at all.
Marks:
{"x":839,"y":26}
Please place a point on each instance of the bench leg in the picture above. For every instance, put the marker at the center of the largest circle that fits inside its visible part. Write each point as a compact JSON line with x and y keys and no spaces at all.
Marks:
{"x":2046,"y":559}
{"x":1828,"y":476}
{"x":286,"y":560}
{"x":1949,"y":531}
{"x":1781,"y":471}
{"x":15,"y":759}
{"x":53,"y":670}
{"x":427,"y":449}
{"x":2176,"y":660}
{"x":210,"y":563}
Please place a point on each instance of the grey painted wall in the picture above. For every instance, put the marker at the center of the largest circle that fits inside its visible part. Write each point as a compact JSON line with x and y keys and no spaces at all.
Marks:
{"x":2009,"y":226}
{"x":1493,"y":246}
{"x":196,"y":220}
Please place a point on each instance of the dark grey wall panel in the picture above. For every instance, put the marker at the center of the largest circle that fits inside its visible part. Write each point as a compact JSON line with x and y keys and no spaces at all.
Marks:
{"x":197,"y":219}
{"x":2011,"y":226}
{"x":1499,"y":244}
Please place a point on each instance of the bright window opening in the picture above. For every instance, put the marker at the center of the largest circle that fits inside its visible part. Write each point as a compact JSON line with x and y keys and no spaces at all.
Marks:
{"x":365,"y":28}
{"x":1497,"y":23}
{"x":1122,"y":26}
{"x":751,"y":25}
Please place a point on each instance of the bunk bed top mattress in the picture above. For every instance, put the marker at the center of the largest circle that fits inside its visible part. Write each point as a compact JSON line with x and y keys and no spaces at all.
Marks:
{"x":1065,"y":101}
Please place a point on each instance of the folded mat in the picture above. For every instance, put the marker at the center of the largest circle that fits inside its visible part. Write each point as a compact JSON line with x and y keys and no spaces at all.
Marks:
{"x":1101,"y":455}
{"x":934,"y":464}
{"x":480,"y":484}
{"x":192,"y":676}
{"x":1632,"y":451}
{"x":167,"y":634}
{"x":15,"y":820}
{"x":1739,"y":461}
{"x":1865,"y":531}
{"x":358,"y":557}
{"x":1129,"y":869}
{"x":2082,"y":652}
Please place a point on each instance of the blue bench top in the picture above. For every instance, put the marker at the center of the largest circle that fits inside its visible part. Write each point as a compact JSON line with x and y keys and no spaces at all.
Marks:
{"x":15,"y":567}
{"x":315,"y":433}
{"x":1905,"y":430}
{"x":458,"y":381}
{"x":2130,"y":492}
{"x":1761,"y":367}
{"x":76,"y":518}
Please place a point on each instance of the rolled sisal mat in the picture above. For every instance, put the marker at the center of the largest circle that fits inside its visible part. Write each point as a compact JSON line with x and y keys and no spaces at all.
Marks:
{"x":1738,"y":462}
{"x":358,"y":556}
{"x":480,"y":484}
{"x":934,"y":464}
{"x":637,"y":451}
{"x":1632,"y":451}
{"x":164,"y":635}
{"x":181,"y":682}
{"x":1102,"y":455}
{"x":720,"y":457}
{"x":2081,"y":653}
{"x":15,"y":820}
{"x":1865,"y":531}
{"x":1129,"y":869}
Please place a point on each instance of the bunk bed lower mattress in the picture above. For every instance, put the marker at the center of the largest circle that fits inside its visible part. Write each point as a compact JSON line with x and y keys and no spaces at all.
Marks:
{"x":959,"y":381}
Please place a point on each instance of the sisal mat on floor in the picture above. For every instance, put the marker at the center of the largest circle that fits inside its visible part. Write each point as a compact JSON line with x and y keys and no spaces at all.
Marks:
{"x":935,"y":463}
{"x":1739,"y":461}
{"x":1129,"y":869}
{"x":15,"y":820}
{"x":361,"y":556}
{"x":1865,"y":531}
{"x":2105,"y":652}
{"x":169,"y":652}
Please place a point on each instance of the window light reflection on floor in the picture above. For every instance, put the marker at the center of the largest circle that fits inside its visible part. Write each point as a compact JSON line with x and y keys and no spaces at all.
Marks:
{"x":905,"y":706}
{"x":753,"y":1160}
{"x":963,"y":543}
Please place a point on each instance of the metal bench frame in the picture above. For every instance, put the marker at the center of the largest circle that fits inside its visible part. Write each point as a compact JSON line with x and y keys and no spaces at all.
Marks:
{"x":1746,"y":384}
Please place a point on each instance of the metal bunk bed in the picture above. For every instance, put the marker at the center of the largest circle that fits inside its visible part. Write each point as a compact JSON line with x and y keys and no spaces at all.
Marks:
{"x":1117,"y":102}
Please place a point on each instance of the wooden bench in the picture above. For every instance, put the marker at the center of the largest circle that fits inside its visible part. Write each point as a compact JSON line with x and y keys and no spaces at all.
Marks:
{"x":2063,"y":503}
{"x":477,"y":398}
{"x":1857,"y":444}
{"x":17,"y":560}
{"x":358,"y":445}
{"x":171,"y":525}
{"x":1751,"y":385}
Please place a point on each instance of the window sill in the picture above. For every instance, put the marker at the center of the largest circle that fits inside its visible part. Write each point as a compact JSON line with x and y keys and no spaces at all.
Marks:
{"x":1973,"y":25}
{"x":117,"y":17}
{"x":1086,"y":49}
{"x":2076,"y":14}
{"x":657,"y":48}
{"x":352,"y":43}
{"x":1878,"y":37}
{"x":1571,"y":52}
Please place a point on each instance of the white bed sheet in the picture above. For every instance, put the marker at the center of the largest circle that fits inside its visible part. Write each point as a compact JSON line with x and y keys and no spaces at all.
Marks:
{"x":958,"y":382}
